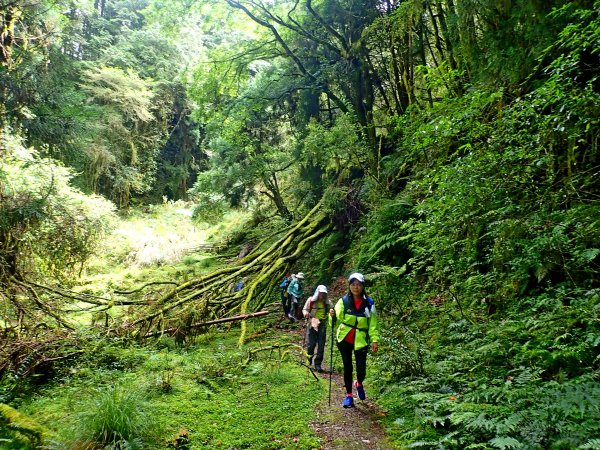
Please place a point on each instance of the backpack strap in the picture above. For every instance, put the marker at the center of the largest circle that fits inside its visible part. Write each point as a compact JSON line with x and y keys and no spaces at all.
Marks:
{"x":351,"y":310}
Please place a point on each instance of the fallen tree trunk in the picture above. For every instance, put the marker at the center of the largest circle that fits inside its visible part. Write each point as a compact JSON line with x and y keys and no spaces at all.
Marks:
{"x":210,"y":322}
{"x":210,"y":297}
{"x":21,"y":427}
{"x":185,"y":305}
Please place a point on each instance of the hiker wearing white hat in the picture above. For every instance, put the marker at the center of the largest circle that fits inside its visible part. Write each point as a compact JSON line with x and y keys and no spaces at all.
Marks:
{"x":295,"y":291}
{"x":357,"y":330}
{"x":315,"y":312}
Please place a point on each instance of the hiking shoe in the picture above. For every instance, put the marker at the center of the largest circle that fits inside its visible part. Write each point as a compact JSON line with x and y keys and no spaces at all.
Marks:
{"x":319,"y":369}
{"x":360,"y":390}
{"x":348,"y":402}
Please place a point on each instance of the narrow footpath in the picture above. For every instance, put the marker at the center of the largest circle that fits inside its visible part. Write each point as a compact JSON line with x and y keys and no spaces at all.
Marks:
{"x":356,"y":428}
{"x":348,"y":429}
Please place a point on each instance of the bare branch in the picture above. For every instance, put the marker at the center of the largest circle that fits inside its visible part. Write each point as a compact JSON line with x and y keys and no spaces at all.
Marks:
{"x":289,"y":52}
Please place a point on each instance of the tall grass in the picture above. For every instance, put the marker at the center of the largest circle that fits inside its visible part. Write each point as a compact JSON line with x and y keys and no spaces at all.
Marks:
{"x":112,"y":417}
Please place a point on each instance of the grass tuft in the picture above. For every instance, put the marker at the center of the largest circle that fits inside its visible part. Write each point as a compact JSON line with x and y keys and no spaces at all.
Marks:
{"x":112,"y":417}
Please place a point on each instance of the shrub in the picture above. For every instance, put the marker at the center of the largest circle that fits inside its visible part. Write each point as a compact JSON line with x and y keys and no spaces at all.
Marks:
{"x":46,"y":226}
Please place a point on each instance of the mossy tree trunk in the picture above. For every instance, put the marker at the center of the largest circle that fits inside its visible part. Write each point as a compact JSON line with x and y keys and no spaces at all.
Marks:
{"x":210,"y":296}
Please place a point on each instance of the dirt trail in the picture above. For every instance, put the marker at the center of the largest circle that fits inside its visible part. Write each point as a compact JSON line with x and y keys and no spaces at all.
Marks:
{"x":351,"y":428}
{"x":356,"y":428}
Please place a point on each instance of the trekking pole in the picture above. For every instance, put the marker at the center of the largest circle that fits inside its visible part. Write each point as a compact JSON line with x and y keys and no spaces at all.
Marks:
{"x":305,"y":333}
{"x":331,"y":357}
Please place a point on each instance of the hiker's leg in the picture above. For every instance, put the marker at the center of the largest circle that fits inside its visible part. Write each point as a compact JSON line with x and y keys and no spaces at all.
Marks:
{"x":321,"y":338}
{"x":284,"y":302}
{"x":312,"y":342}
{"x":294,"y":307}
{"x":346,"y":352}
{"x":288,"y":305}
{"x":361,"y":364}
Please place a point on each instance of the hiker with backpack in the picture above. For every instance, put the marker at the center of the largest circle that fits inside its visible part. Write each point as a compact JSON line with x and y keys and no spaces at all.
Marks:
{"x":283,"y":292}
{"x":239,"y":285}
{"x":295,"y":291}
{"x":315,"y":312}
{"x":357,"y":329}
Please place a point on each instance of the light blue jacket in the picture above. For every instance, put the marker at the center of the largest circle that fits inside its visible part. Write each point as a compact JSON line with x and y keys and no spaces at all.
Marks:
{"x":296,"y":288}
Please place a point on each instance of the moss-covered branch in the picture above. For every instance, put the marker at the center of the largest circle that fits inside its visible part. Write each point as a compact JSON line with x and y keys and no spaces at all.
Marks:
{"x":21,"y":428}
{"x":210,"y":296}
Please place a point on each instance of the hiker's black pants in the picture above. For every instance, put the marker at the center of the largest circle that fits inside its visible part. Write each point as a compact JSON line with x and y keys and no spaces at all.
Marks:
{"x":284,"y":301}
{"x":316,"y":338}
{"x":290,"y":305}
{"x":360,"y":356}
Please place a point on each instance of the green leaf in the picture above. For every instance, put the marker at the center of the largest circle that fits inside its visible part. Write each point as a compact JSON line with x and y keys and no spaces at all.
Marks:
{"x":505,"y":443}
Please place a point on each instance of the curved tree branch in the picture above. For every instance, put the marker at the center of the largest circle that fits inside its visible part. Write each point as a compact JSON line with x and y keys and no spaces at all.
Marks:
{"x":290,"y":53}
{"x":210,"y":297}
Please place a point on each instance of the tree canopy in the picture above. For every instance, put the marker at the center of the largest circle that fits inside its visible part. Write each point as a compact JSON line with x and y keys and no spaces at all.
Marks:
{"x":446,"y":148}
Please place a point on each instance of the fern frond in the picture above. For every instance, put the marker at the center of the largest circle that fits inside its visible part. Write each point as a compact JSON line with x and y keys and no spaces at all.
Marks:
{"x":419,"y":444}
{"x":592,"y":444}
{"x":389,"y":270}
{"x":386,"y":242}
{"x":511,"y":423}
{"x":505,"y":442}
{"x":458,"y":418}
{"x":481,"y":422}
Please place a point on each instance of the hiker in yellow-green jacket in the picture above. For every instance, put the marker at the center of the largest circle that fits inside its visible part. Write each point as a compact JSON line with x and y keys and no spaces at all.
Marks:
{"x":357,"y":328}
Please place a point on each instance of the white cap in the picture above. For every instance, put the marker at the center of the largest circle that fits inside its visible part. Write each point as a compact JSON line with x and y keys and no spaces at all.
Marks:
{"x":320,"y":288}
{"x":300,"y":276}
{"x":356,"y":276}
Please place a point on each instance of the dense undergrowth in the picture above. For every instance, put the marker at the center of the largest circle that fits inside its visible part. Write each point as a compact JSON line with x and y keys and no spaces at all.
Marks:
{"x":154,"y":395}
{"x":486,"y":263}
{"x":480,"y":240}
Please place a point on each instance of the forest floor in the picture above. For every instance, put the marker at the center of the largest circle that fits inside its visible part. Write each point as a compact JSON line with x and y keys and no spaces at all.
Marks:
{"x":339,"y":428}
{"x":349,"y":428}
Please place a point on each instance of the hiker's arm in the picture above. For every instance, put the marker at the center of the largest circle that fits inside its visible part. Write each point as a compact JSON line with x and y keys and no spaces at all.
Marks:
{"x":291,"y":286}
{"x":374,"y":330}
{"x":306,"y":309}
{"x":339,"y":310}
